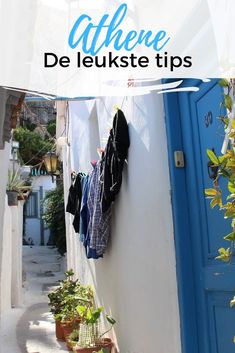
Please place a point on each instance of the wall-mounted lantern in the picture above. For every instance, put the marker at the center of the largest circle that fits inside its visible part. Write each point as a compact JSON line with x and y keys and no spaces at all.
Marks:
{"x":51,"y":163}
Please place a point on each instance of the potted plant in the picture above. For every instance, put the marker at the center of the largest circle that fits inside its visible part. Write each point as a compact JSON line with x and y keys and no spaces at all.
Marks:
{"x":15,"y":186}
{"x":72,"y":339}
{"x":63,"y":302}
{"x":70,"y":318}
{"x":90,"y":339}
{"x":56,"y":302}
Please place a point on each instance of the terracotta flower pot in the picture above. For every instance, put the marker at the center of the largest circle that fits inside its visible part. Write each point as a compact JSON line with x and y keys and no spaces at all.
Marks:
{"x":59,"y":331}
{"x":69,"y":326}
{"x":107,"y":344}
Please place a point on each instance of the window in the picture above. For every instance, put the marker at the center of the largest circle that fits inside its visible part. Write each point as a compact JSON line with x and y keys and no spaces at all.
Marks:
{"x":31,"y":206}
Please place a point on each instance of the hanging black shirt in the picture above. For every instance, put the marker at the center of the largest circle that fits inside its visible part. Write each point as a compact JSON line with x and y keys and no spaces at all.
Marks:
{"x":74,"y":201}
{"x":113,"y":160}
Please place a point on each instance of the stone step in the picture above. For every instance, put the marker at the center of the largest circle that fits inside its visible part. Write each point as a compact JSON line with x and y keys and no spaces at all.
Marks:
{"x":39,"y":259}
{"x":30,"y":250}
{"x":43,"y":267}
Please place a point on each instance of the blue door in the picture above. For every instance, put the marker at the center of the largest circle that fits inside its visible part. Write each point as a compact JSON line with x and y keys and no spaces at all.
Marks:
{"x":206,"y":285}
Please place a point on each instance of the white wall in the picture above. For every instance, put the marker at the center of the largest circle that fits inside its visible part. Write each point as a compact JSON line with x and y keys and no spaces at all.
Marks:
{"x":136,"y":279}
{"x":6,"y":261}
{"x":32,"y":225}
{"x":4,"y":267}
{"x":11,"y":259}
{"x":16,"y":256}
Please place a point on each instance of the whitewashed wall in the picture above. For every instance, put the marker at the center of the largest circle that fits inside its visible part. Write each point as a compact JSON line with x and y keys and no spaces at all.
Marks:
{"x":10,"y":245}
{"x":136,"y":279}
{"x":5,"y":265}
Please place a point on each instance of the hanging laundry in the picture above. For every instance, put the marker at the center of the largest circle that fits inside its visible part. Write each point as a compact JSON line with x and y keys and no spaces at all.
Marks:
{"x":113,"y":160}
{"x":100,"y":222}
{"x":84,"y":212}
{"x":74,"y":201}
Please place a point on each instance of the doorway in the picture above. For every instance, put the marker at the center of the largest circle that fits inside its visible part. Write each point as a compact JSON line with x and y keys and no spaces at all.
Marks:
{"x":205,"y":285}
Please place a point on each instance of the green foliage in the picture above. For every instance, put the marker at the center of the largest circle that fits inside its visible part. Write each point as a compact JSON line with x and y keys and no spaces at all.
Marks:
{"x":64,"y":300}
{"x":224,"y":82}
{"x":15,"y":183}
{"x":74,"y":336}
{"x":228,"y":102}
{"x":31,"y":144}
{"x":90,"y":316}
{"x":225,"y":165}
{"x":212,"y":156}
{"x":54,"y":216}
{"x":224,"y":254}
{"x":51,"y":127}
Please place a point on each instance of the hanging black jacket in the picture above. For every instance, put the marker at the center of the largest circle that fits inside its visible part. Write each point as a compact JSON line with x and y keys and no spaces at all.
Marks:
{"x":74,"y":201}
{"x":113,"y":160}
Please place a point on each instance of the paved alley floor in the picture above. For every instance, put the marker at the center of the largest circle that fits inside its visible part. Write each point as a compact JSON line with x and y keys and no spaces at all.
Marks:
{"x":31,"y":329}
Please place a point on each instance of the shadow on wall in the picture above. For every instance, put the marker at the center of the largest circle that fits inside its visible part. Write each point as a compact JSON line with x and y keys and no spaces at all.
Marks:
{"x":94,"y":139}
{"x":139,"y":228}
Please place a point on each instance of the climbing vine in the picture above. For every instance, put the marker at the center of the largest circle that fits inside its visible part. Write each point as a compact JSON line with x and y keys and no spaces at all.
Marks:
{"x":223,"y":166}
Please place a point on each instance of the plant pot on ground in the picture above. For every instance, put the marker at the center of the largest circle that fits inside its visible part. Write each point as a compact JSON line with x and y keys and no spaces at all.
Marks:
{"x":63,"y":302}
{"x":69,"y":326}
{"x":105,"y":346}
{"x":59,"y":331}
{"x":90,"y":339}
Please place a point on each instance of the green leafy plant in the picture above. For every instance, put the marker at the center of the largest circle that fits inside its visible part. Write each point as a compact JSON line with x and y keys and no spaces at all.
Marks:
{"x":15,"y":183}
{"x":224,"y":165}
{"x":32,"y":145}
{"x":54,"y":216}
{"x":89,"y":334}
{"x":64,"y":300}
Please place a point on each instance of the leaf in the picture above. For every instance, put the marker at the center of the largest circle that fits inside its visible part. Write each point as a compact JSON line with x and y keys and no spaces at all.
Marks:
{"x":228,"y":102}
{"x":216,"y":201}
{"x":232,"y":302}
{"x":231,"y":187}
{"x":81,"y":310}
{"x":212,"y":156}
{"x":110,"y":319}
{"x":225,"y":255}
{"x":210,"y":192}
{"x":213,"y":202}
{"x":224,"y":173}
{"x":230,"y":236}
{"x":223,"y":82}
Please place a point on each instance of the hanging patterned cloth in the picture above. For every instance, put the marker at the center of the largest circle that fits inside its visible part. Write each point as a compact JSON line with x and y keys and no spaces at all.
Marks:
{"x":100,"y":222}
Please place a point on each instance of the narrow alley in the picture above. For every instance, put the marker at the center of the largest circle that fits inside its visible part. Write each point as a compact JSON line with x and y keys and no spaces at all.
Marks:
{"x":31,"y":329}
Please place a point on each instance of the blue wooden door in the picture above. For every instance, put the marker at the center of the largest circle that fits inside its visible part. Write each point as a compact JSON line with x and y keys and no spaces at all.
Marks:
{"x":206,"y":285}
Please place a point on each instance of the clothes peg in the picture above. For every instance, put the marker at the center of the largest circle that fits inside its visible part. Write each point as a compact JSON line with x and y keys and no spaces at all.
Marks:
{"x":100,"y":151}
{"x":116,"y":107}
{"x":93,"y":163}
{"x":73,"y":175}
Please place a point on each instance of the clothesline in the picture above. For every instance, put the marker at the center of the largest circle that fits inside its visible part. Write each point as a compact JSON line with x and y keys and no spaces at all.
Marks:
{"x":92,"y":195}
